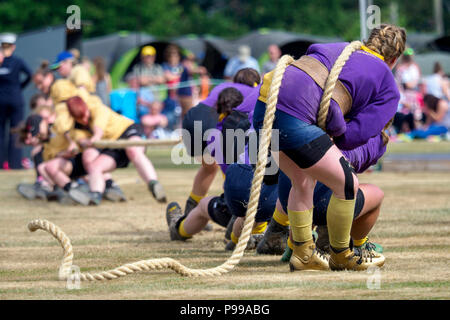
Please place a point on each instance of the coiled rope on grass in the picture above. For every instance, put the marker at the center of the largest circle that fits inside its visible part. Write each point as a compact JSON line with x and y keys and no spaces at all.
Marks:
{"x":228,"y":265}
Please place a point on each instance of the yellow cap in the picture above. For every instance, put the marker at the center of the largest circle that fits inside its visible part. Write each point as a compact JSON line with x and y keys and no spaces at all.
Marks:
{"x":148,"y":51}
{"x":61,"y":90}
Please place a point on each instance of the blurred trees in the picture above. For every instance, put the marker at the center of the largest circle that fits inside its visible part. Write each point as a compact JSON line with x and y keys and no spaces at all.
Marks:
{"x":227,"y":18}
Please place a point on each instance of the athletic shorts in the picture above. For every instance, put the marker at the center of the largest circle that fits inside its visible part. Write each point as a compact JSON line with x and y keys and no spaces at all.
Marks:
{"x":195,"y":123}
{"x":78,"y":170}
{"x":218,"y":211}
{"x":302,"y":142}
{"x":237,"y":185}
{"x":120,"y":155}
{"x":322,"y":195}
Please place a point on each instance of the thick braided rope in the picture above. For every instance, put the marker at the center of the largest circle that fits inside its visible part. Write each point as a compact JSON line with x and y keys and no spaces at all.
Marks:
{"x":120,"y":144}
{"x":169,"y":263}
{"x":332,"y":80}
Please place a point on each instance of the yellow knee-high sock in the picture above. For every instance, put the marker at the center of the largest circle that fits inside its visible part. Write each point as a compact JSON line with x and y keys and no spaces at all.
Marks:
{"x":289,"y":243}
{"x":195,"y":197}
{"x":301,"y":224}
{"x":234,"y":238}
{"x":260,"y":228}
{"x":339,"y":221}
{"x":280,"y":218}
{"x":183,"y":232}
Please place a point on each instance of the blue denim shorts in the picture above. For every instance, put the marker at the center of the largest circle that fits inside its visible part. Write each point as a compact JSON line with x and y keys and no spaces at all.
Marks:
{"x":238,"y":182}
{"x":294,"y":133}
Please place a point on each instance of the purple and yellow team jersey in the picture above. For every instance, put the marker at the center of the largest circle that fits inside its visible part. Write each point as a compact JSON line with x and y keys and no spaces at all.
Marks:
{"x":367,"y":78}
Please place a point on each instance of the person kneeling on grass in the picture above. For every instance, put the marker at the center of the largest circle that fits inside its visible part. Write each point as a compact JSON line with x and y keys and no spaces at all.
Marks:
{"x":108,"y":125}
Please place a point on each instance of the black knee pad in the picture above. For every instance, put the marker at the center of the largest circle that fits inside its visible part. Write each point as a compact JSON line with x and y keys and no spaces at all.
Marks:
{"x":348,"y":172}
{"x":310,"y":153}
{"x":218,"y":211}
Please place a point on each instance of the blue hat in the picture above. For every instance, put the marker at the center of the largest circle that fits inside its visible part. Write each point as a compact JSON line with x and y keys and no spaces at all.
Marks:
{"x":61,"y":57}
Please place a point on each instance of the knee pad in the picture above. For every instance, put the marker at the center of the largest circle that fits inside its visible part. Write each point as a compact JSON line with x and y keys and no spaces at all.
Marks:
{"x":218,"y":211}
{"x":310,"y":153}
{"x":348,"y":172}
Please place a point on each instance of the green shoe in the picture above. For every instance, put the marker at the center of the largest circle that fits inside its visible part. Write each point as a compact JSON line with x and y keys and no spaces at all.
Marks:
{"x":288,"y":251}
{"x":286,"y":255}
{"x":371,"y":246}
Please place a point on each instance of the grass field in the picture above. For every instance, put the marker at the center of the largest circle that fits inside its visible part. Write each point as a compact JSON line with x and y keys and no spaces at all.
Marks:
{"x":414,"y":229}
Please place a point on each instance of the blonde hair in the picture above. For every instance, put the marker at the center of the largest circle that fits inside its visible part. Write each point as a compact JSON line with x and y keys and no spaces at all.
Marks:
{"x":387,"y":40}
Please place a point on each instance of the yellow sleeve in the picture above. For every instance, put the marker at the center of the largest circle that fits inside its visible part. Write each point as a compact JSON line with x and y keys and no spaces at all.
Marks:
{"x":100,"y":115}
{"x":63,"y":121}
{"x":81,"y":78}
{"x":56,"y":144}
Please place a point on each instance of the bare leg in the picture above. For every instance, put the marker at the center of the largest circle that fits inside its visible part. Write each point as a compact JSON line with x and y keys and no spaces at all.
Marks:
{"x":198,"y":218}
{"x":141,"y":162}
{"x":373,"y":197}
{"x":59,"y":170}
{"x":96,"y":169}
{"x":204,"y":178}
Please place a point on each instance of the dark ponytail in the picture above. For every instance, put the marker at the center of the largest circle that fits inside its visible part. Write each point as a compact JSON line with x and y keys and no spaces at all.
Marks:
{"x":228,"y":99}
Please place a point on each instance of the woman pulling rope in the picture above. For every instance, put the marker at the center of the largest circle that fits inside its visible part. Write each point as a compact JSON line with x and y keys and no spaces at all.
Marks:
{"x":307,"y":153}
{"x":357,"y":97}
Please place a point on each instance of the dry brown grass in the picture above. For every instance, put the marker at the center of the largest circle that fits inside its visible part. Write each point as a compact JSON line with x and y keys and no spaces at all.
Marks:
{"x":414,"y":229}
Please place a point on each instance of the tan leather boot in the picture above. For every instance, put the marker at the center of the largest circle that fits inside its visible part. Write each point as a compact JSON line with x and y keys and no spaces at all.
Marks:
{"x":306,"y":257}
{"x":359,"y":261}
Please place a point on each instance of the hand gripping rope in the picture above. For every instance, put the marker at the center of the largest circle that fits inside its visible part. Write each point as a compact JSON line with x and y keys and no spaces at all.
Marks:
{"x":227,"y":266}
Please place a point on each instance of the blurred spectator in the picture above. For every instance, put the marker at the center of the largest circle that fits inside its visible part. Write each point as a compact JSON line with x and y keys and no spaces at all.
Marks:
{"x":436,"y":113}
{"x":76,"y":55}
{"x":11,"y":100}
{"x":78,"y":74}
{"x":407,"y":71}
{"x":409,"y":112}
{"x":274,"y":55}
{"x":2,"y":56}
{"x":148,"y":72}
{"x":173,"y":69}
{"x":437,"y":84}
{"x":148,"y":108}
{"x":102,"y":80}
{"x":241,"y":61}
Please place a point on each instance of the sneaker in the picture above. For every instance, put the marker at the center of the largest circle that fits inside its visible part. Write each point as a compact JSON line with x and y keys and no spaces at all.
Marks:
{"x":173,"y":215}
{"x":114,"y":193}
{"x":230,"y":228}
{"x":355,"y":260}
{"x":370,"y":246}
{"x":322,"y":240}
{"x":95,"y":198}
{"x":274,"y":240}
{"x":307,"y":257}
{"x":253,"y":242}
{"x":286,"y":255}
{"x":190,"y":204}
{"x":28,"y":191}
{"x":157,"y":191}
{"x":79,"y":195}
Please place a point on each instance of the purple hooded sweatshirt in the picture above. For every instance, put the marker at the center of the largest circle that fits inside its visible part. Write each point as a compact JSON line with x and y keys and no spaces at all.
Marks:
{"x":369,"y":81}
{"x":211,"y":100}
{"x":247,"y":106}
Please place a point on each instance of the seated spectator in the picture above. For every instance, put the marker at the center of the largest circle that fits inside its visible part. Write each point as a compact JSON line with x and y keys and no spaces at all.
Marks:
{"x":407,"y":72}
{"x":274,"y":55}
{"x":409,"y":112}
{"x":437,"y":84}
{"x":241,"y":61}
{"x":436,"y":116}
{"x":102,"y":80}
{"x":148,"y":109}
{"x":148,"y":72}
